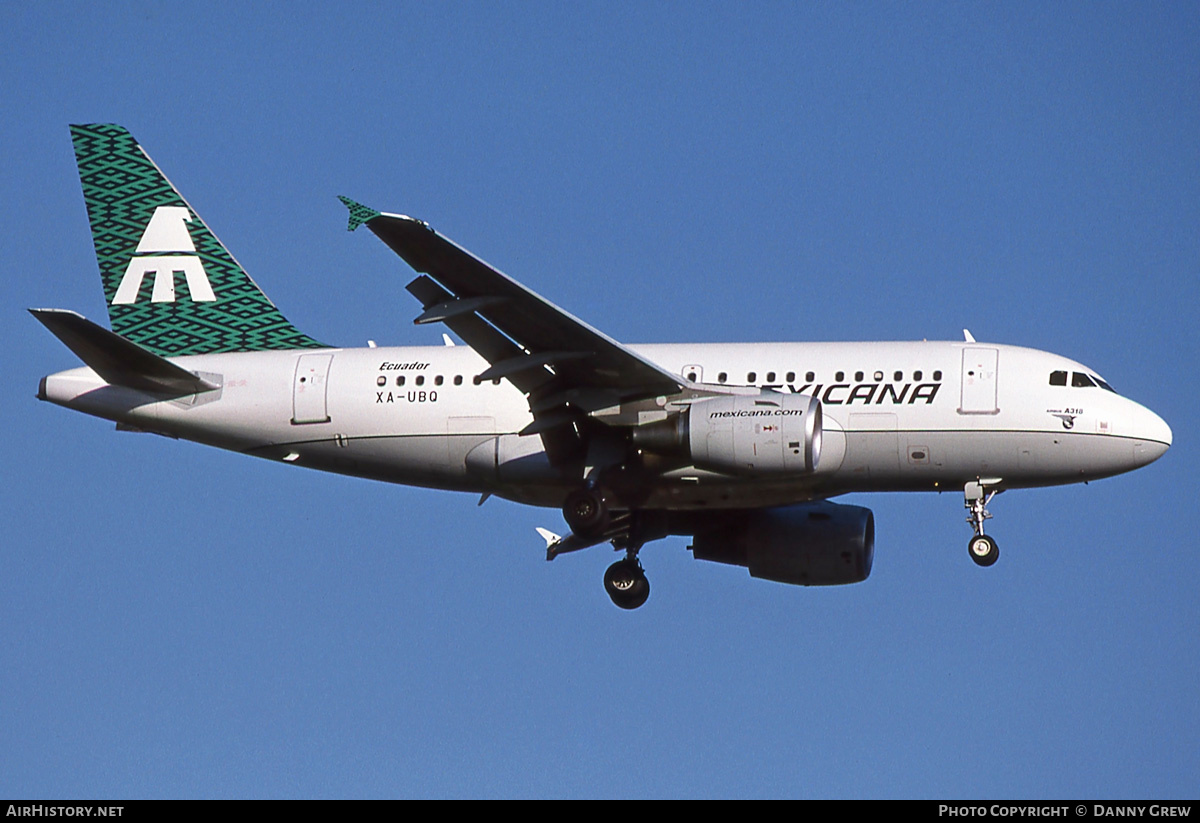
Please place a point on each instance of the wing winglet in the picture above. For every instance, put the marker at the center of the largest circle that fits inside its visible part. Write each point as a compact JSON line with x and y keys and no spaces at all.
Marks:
{"x":556,"y":545}
{"x":550,"y":537}
{"x":359,"y":213}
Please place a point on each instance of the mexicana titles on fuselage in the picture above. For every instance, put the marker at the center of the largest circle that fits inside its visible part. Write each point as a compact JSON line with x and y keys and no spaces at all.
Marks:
{"x":866,"y":393}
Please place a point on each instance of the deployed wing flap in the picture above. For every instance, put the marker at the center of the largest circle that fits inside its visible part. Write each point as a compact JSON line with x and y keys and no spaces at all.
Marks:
{"x":119,"y":361}
{"x":607,"y":370}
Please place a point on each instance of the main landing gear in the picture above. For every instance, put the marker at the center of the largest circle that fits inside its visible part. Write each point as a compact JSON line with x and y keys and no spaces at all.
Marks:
{"x":626,"y":583}
{"x":983,"y":549}
{"x":587,"y":512}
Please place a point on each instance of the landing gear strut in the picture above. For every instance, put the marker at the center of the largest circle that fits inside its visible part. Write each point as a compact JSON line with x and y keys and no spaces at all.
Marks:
{"x":983,"y":549}
{"x":626,"y":583}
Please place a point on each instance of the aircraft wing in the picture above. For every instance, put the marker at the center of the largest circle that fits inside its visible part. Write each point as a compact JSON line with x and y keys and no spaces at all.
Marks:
{"x":559,"y":361}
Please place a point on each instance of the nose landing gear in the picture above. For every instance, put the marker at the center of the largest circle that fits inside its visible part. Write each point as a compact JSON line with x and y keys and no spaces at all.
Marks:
{"x":983,"y":549}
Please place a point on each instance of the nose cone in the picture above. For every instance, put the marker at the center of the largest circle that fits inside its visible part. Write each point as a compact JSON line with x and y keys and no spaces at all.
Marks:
{"x":1152,"y":436}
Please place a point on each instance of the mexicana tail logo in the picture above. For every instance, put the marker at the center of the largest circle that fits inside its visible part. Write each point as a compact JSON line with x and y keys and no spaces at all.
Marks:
{"x":165,"y":248}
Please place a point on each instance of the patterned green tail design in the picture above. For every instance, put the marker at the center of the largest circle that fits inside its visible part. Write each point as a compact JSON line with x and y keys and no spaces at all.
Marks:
{"x":214,"y":306}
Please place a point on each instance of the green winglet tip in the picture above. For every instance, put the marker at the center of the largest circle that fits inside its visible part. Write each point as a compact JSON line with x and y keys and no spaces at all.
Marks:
{"x":359,"y":213}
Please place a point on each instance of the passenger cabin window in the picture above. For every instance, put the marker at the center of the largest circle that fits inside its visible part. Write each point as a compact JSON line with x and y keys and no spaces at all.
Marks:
{"x":382,"y":381}
{"x":791,"y":377}
{"x":937,"y":375}
{"x":458,"y":379}
{"x":751,"y":377}
{"x":840,"y":376}
{"x":722,"y":377}
{"x":420,"y":380}
{"x":878,"y":376}
{"x":770,"y":377}
{"x":1081,"y":381}
{"x":810,"y":376}
{"x":898,"y":376}
{"x":1058,"y":378}
{"x":399,"y":380}
{"x":476,"y":380}
{"x":437,"y":381}
{"x":917,"y":375}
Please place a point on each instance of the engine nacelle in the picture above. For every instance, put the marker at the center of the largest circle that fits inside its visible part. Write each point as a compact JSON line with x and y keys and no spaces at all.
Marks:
{"x":766,"y":433}
{"x":810,"y":544}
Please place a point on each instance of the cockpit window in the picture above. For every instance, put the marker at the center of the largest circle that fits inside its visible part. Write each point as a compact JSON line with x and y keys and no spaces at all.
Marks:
{"x":1079,"y":380}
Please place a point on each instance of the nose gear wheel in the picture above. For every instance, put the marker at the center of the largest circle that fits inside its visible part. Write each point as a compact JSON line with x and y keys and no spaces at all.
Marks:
{"x":983,"y":550}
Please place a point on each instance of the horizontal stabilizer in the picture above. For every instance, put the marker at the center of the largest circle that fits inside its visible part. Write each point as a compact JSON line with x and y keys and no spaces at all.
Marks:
{"x":117,"y":360}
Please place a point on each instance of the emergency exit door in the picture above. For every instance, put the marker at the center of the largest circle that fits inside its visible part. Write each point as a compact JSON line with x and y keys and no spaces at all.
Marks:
{"x":309,"y":403}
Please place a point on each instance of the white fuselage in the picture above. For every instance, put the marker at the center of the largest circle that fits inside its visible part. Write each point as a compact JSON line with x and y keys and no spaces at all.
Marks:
{"x":919,"y":416}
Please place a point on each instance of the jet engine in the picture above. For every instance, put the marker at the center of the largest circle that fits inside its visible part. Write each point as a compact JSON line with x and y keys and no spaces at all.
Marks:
{"x":767,"y":433}
{"x":810,"y":544}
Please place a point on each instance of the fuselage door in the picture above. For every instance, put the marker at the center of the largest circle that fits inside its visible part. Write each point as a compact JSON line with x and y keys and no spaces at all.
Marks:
{"x":309,"y":387}
{"x":979,"y":381}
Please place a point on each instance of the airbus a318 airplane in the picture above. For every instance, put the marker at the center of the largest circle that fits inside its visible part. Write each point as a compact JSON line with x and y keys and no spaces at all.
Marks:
{"x":738,"y":446}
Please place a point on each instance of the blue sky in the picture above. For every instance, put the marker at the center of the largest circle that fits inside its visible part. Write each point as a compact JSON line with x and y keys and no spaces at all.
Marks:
{"x":178,"y":621}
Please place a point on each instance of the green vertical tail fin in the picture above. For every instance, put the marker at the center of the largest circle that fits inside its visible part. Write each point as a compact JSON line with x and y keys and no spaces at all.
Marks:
{"x":171,"y":287}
